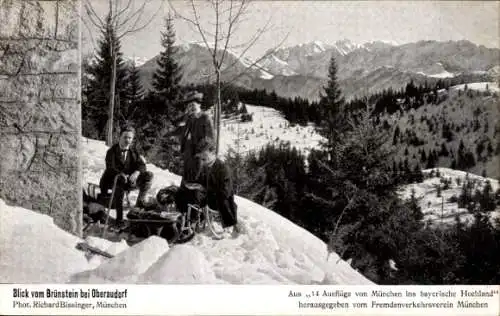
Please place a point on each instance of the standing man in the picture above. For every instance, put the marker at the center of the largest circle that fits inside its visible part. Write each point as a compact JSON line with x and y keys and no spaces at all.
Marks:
{"x":125,"y":162}
{"x":198,"y":128}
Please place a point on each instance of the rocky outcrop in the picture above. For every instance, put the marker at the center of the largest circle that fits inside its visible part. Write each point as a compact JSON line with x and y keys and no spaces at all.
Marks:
{"x":40,"y":121}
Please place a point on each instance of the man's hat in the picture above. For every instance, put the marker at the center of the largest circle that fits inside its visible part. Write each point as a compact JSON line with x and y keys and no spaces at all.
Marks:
{"x":194,"y":96}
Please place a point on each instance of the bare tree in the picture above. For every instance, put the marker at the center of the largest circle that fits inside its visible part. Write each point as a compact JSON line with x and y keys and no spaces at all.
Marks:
{"x":217,"y":36}
{"x":123,"y":18}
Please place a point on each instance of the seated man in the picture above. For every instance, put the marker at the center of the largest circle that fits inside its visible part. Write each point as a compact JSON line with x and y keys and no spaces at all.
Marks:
{"x":125,"y":162}
{"x":213,"y":187}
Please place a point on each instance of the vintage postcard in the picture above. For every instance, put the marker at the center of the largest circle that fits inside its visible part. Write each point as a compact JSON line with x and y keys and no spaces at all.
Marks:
{"x":342,"y":155}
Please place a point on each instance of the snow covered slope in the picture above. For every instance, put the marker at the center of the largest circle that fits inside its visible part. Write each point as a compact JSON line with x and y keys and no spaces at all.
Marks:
{"x":437,"y":209}
{"x":268,"y":126}
{"x":269,"y":250}
{"x":479,"y":86}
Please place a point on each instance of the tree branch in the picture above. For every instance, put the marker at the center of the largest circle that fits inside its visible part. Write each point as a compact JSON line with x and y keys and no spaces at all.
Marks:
{"x":89,"y":31}
{"x":93,"y":16}
{"x":198,"y":26}
{"x":122,"y":11}
{"x":136,"y":14}
{"x":216,"y":37}
{"x":232,"y":22}
{"x":134,"y":28}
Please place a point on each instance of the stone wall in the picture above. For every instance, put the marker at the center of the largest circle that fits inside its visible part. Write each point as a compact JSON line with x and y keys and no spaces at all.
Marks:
{"x":40,"y":120}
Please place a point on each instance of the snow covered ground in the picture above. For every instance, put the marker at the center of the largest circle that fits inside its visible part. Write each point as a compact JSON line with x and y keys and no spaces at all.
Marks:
{"x":479,"y":86}
{"x":268,"y":126}
{"x":443,"y":74}
{"x":269,"y":250}
{"x":439,"y":208}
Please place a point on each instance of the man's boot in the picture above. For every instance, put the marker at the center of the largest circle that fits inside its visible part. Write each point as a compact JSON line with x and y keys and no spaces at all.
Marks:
{"x":141,"y":199}
{"x":144,"y":183}
{"x":119,"y":194}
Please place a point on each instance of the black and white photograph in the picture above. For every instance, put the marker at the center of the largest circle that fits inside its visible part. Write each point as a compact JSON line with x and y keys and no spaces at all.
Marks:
{"x":228,"y":142}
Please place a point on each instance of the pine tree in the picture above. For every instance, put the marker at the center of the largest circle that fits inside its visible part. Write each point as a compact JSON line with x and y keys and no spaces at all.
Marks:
{"x":332,"y":108}
{"x":423,"y":156}
{"x":487,"y":200}
{"x":444,"y":151}
{"x":489,"y":148}
{"x":453,"y":164}
{"x":90,"y":118}
{"x":431,"y":160}
{"x":418,"y":176}
{"x":166,"y":79}
{"x":352,"y":199}
{"x":397,"y":133}
{"x":130,"y":110}
{"x":99,"y":80}
{"x":161,"y":105}
{"x":414,"y":206}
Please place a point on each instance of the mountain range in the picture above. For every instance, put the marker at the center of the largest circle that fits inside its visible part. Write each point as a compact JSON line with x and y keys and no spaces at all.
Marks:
{"x":302,"y":70}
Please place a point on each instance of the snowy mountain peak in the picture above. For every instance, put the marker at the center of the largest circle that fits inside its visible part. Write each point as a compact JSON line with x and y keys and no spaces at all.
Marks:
{"x":307,"y":49}
{"x":273,"y":64}
{"x":320,"y":45}
{"x":139,"y":61}
{"x":300,"y":70}
{"x":196,"y":61}
{"x":345,"y":46}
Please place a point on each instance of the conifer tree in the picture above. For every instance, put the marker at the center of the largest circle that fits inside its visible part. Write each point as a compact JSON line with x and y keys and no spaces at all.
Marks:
{"x":163,"y":106}
{"x":487,"y":198}
{"x":166,"y":79}
{"x":423,"y":156}
{"x":417,"y":175}
{"x":99,"y":79}
{"x":444,"y":151}
{"x":130,"y":110}
{"x":332,"y":108}
{"x":351,"y":195}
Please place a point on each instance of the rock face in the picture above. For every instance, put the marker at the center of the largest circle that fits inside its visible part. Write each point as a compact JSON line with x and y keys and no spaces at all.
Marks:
{"x":40,"y":121}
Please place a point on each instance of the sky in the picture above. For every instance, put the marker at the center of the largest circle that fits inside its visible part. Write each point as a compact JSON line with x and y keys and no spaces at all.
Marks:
{"x":296,"y":22}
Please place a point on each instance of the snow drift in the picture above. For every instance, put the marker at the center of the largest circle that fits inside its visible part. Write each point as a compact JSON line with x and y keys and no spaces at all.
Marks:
{"x":127,"y":264}
{"x":166,"y":270}
{"x":34,"y":250}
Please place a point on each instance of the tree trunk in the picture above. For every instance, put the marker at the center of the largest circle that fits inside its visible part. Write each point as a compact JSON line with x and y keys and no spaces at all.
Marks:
{"x":217,"y":110}
{"x":109,"y":136}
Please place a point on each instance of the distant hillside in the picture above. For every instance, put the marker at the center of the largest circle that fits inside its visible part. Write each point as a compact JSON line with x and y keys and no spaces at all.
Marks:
{"x":430,"y":135}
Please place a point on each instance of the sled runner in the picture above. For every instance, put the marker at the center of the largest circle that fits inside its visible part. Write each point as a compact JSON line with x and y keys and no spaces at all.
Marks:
{"x":209,"y":219}
{"x":175,"y":227}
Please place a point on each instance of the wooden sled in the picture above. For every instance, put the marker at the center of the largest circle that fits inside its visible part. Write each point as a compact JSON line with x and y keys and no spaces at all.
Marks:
{"x":175,"y":227}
